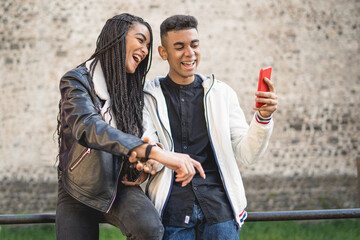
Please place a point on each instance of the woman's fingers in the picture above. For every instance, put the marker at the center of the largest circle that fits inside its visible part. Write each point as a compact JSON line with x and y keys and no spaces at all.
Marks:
{"x":133,"y":157}
{"x":147,"y":140}
{"x":143,"y":176}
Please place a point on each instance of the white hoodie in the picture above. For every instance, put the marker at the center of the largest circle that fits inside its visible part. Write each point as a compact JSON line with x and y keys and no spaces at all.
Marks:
{"x":232,"y":139}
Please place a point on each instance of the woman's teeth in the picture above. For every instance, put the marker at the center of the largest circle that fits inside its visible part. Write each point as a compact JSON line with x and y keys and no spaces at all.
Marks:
{"x":137,"y":58}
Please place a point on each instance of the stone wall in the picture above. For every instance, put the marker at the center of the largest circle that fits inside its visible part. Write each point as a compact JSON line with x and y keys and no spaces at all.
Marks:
{"x":313,"y":47}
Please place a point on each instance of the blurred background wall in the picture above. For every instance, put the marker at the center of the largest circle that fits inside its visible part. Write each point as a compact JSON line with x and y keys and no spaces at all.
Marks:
{"x":313,"y":47}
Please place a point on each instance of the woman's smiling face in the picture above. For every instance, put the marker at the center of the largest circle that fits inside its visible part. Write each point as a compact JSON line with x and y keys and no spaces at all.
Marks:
{"x":137,"y":46}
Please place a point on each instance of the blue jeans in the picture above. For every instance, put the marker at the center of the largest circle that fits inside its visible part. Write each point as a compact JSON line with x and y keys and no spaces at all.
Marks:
{"x":199,"y":229}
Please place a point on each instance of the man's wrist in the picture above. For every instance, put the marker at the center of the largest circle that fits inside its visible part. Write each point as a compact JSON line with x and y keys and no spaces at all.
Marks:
{"x":154,"y":153}
{"x":261,"y":119}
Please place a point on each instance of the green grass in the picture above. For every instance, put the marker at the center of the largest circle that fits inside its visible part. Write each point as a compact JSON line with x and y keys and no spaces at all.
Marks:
{"x":47,"y":232}
{"x":312,"y":230}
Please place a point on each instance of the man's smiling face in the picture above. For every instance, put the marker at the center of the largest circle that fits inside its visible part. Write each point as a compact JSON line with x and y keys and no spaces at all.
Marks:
{"x":182,"y":50}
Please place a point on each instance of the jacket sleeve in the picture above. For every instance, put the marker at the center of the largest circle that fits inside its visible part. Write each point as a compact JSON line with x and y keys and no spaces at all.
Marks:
{"x":149,"y":127}
{"x":249,"y":142}
{"x":81,"y":115}
{"x":148,"y":124}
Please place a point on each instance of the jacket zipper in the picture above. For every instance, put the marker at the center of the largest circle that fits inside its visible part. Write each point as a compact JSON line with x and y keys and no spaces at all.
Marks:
{"x":171,"y":148}
{"x":212,"y":146}
{"x":80,"y":159}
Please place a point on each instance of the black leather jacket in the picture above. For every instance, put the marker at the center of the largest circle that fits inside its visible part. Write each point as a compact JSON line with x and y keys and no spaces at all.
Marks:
{"x":89,"y":166}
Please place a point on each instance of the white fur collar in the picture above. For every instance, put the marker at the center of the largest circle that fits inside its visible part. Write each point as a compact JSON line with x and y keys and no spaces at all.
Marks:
{"x":101,"y":91}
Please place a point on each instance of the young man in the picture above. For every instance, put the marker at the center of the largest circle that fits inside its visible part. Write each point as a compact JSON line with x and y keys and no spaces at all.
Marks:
{"x":200,"y":116}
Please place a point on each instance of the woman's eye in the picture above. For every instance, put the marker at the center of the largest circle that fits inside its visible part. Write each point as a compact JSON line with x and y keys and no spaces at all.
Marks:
{"x":140,"y":40}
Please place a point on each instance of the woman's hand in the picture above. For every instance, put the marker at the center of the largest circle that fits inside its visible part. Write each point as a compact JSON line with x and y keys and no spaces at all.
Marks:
{"x":183,"y":165}
{"x":142,"y":178}
{"x":150,"y":166}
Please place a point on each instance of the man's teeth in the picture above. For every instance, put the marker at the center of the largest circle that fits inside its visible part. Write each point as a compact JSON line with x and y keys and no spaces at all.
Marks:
{"x":189,"y":63}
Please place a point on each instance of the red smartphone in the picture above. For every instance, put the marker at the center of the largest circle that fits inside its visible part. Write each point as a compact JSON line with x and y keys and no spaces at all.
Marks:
{"x":262,"y":86}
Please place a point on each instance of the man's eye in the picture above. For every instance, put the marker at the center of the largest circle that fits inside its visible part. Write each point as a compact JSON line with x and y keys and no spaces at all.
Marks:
{"x":179,"y":48}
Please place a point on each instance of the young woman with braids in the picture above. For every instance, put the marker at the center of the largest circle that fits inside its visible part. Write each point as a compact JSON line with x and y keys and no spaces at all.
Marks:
{"x":99,"y":127}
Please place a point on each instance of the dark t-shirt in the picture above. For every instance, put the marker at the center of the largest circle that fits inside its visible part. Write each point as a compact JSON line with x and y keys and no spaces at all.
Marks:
{"x":185,"y":104}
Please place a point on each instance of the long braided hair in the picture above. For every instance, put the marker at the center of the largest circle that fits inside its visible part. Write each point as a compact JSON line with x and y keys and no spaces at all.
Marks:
{"x":125,"y":89}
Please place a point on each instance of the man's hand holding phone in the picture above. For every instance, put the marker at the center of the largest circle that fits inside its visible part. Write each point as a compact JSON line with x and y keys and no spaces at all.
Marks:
{"x":266,"y":98}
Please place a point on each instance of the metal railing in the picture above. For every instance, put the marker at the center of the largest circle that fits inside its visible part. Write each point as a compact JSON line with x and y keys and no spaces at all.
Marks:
{"x":252,"y":216}
{"x":304,"y":215}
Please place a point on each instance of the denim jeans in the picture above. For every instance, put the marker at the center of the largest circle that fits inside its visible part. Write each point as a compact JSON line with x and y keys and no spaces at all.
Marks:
{"x":199,"y":229}
{"x":132,"y":212}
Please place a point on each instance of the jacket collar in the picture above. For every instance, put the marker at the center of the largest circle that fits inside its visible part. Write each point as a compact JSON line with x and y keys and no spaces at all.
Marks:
{"x":101,"y":91}
{"x":150,"y":86}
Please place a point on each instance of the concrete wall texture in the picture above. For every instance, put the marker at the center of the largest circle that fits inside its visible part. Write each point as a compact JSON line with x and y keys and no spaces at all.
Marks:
{"x":313,"y":47}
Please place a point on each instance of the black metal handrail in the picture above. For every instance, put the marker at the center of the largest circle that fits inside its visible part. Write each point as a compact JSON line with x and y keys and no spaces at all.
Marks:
{"x":26,"y":218}
{"x":304,"y":215}
{"x":252,"y":216}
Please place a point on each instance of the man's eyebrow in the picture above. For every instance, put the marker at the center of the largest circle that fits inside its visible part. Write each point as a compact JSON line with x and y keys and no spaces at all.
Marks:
{"x":141,"y":35}
{"x":178,"y":43}
{"x":182,"y":43}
